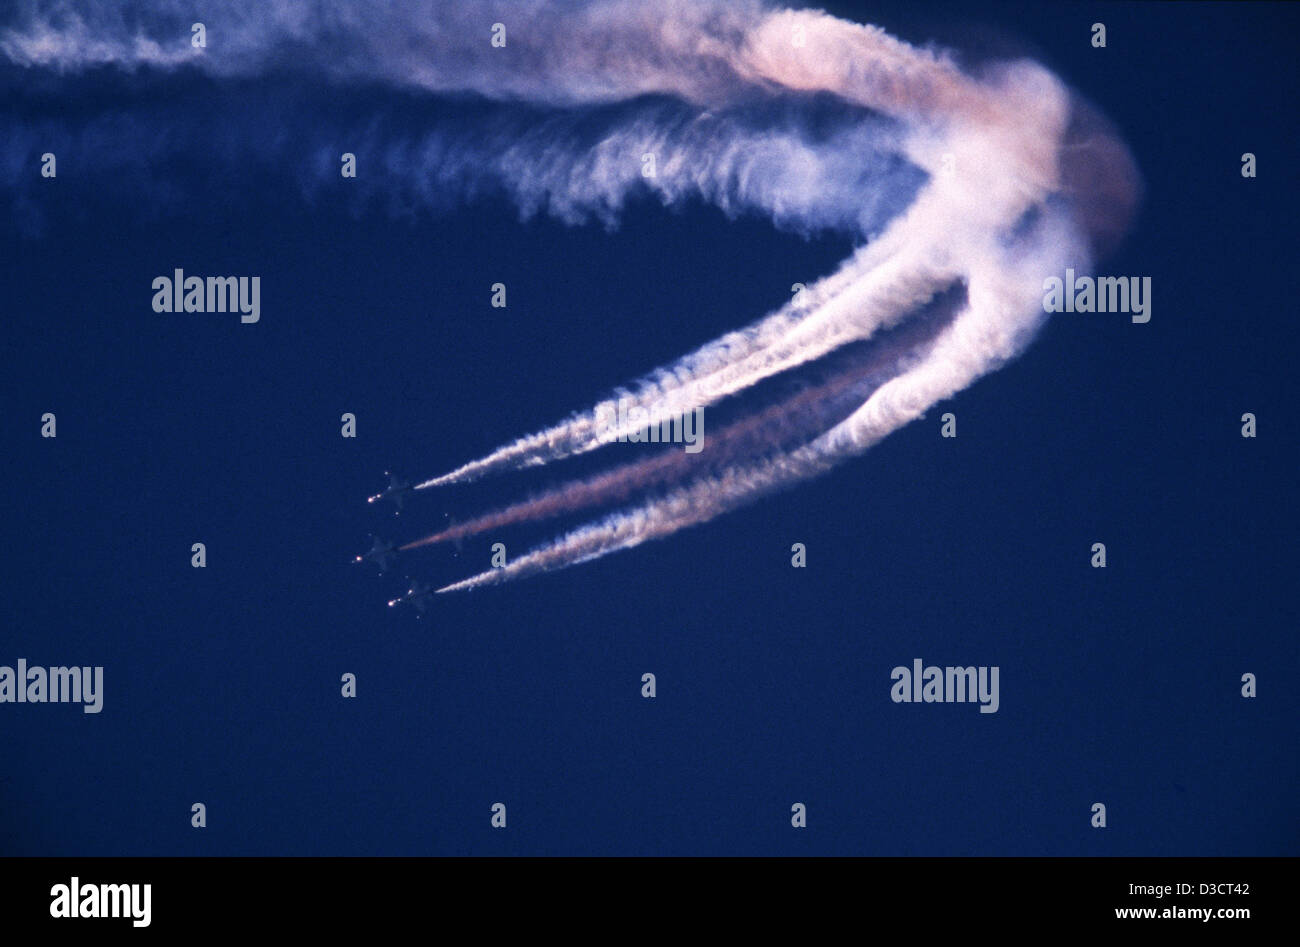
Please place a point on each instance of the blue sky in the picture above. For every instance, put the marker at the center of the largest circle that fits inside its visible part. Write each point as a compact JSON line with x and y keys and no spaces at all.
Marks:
{"x":1118,"y":686}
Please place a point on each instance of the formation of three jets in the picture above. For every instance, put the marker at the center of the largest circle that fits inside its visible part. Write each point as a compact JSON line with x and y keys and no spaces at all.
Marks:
{"x":420,"y":594}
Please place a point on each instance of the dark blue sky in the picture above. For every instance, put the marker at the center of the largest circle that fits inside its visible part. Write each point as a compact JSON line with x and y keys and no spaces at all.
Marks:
{"x":1118,"y":686}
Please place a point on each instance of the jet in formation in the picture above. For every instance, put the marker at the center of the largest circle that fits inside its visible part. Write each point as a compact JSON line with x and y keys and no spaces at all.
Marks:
{"x":419,"y":596}
{"x":380,"y":553}
{"x":397,"y":491}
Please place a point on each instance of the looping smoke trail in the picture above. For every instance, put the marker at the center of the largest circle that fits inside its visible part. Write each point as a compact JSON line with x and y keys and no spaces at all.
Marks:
{"x":994,"y":180}
{"x":992,"y":214}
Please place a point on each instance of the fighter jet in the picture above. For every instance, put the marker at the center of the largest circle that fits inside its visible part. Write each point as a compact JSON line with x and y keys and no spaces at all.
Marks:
{"x":397,"y":491}
{"x":419,"y":595}
{"x":380,"y":553}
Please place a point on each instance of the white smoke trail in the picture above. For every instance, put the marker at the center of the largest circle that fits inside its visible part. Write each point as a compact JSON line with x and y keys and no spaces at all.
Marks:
{"x":972,"y":221}
{"x":778,"y":427}
{"x":871,"y":299}
{"x":984,"y":178}
{"x":995,"y":161}
{"x":998,"y":320}
{"x":1011,"y":190}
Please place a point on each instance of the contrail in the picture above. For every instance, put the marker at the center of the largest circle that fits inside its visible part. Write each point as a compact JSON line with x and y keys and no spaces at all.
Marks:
{"x":992,"y":179}
{"x":714,"y":373}
{"x":993,"y":216}
{"x":984,"y":334}
{"x":778,"y":427}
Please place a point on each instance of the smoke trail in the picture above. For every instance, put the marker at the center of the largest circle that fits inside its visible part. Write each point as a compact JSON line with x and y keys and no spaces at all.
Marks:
{"x":991,"y":328}
{"x":994,"y":180}
{"x":873,"y":298}
{"x":778,"y":427}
